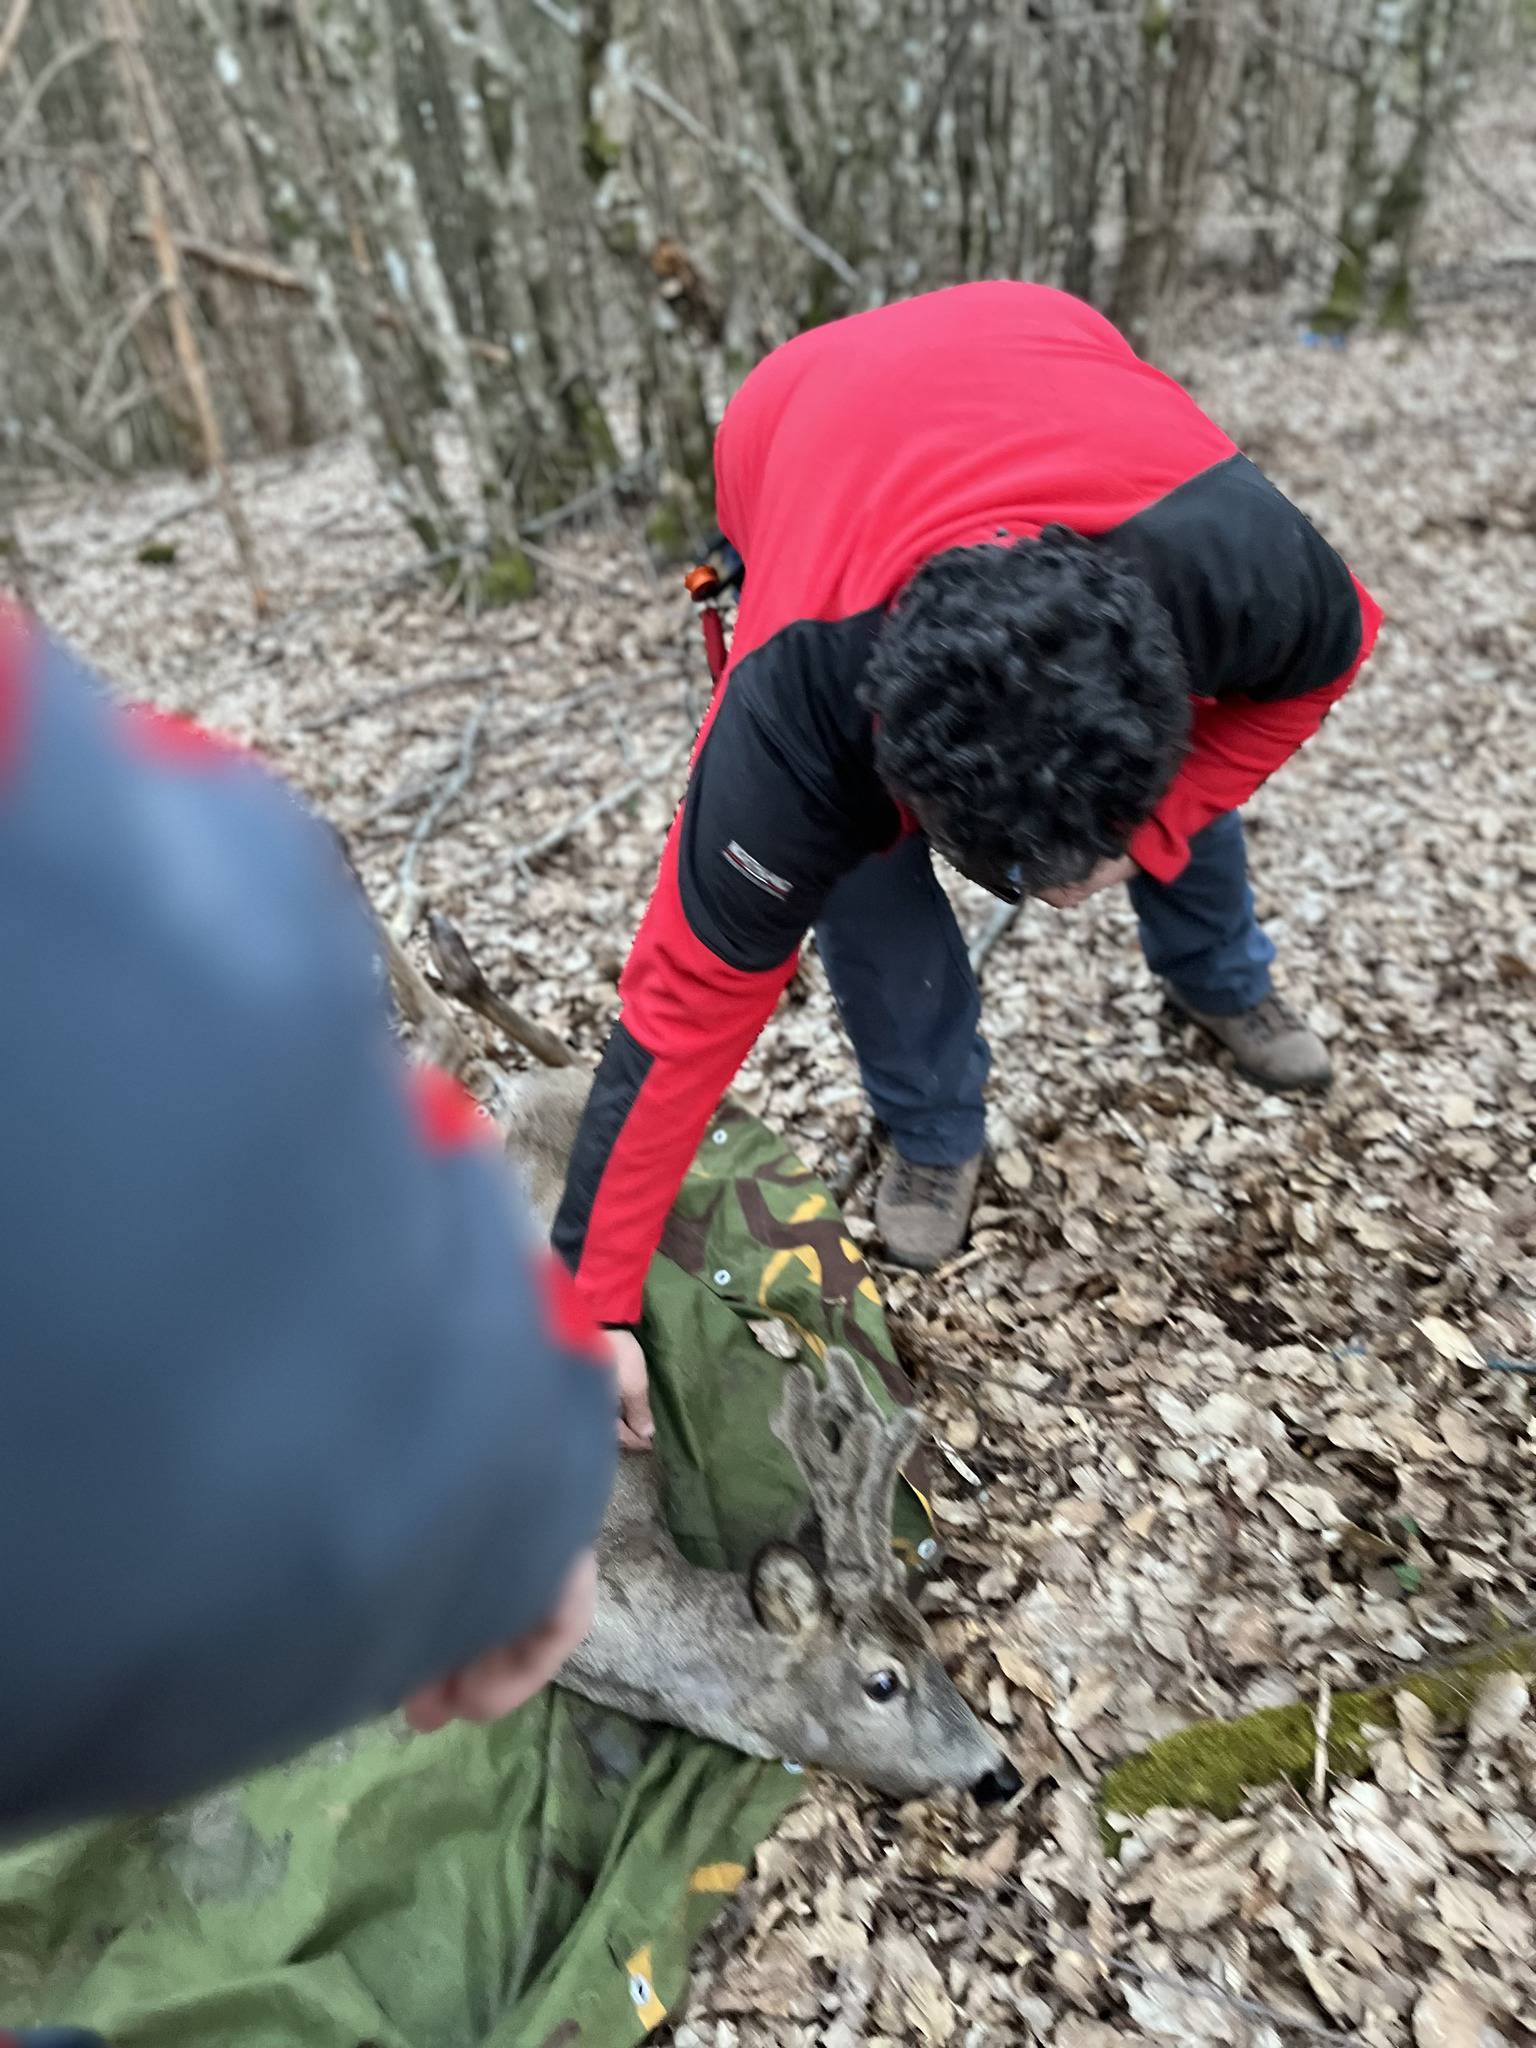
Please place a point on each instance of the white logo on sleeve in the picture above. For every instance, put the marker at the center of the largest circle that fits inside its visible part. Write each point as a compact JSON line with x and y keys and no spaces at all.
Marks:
{"x":761,"y":877}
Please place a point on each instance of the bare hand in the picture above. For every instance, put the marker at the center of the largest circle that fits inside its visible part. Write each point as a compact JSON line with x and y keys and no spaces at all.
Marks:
{"x":637,"y":1428}
{"x":1104,"y":876}
{"x":507,"y":1677}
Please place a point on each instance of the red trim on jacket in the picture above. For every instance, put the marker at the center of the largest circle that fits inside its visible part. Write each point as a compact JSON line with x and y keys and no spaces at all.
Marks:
{"x":569,"y":1323}
{"x":14,"y":648}
{"x":698,"y":1017}
{"x":447,"y":1115}
{"x":168,"y":736}
{"x":1235,"y":747}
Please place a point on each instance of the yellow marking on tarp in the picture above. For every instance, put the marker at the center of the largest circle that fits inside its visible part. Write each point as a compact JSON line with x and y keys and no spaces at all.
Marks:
{"x":812,"y":1206}
{"x":805,"y":1253}
{"x":717,"y":1877}
{"x":649,"y":2009}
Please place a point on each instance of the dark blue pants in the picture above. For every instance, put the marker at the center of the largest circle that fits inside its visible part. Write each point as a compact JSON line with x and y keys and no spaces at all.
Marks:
{"x":903,"y":983}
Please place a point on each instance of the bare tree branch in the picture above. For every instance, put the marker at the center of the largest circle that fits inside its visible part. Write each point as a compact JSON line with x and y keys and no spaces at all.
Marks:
{"x":10,"y":35}
{"x":453,"y":788}
{"x":743,"y":160}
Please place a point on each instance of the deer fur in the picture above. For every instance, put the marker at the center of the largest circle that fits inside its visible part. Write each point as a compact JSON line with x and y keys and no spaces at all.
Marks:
{"x":816,"y":1654}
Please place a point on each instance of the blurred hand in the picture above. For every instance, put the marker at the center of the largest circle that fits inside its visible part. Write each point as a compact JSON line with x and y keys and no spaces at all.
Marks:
{"x":1104,"y":876}
{"x":507,"y":1677}
{"x":637,"y":1429}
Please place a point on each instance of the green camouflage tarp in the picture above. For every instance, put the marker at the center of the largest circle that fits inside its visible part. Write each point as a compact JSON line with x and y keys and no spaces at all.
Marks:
{"x":535,"y":1884}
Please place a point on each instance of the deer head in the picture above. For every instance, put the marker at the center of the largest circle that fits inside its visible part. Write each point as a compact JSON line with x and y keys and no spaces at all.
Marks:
{"x":861,"y":1690}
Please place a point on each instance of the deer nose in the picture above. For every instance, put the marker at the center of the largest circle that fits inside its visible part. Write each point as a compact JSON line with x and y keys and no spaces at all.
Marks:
{"x":996,"y":1785}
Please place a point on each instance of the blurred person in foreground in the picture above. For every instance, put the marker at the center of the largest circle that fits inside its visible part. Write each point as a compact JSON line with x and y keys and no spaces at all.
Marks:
{"x":1009,"y":597}
{"x":298,"y":1421}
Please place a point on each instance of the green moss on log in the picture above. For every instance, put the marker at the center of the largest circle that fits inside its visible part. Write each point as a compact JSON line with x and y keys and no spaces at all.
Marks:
{"x":1214,"y":1764}
{"x":157,"y":554}
{"x":507,"y":578}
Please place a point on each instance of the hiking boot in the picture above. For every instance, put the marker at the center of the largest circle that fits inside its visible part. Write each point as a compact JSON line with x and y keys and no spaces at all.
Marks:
{"x":923,"y":1212}
{"x":1269,"y":1043}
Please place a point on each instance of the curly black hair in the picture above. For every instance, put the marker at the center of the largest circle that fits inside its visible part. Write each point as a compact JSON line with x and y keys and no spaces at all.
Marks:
{"x":1031,"y":705}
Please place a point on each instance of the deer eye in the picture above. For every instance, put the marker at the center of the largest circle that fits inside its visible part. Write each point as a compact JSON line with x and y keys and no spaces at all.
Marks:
{"x":882,"y":1685}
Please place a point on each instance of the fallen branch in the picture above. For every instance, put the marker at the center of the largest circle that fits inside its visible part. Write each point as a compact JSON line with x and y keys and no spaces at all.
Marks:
{"x":453,"y":788}
{"x":537,"y":849}
{"x":1003,"y":919}
{"x":463,"y":977}
{"x":1213,"y":1765}
{"x":384,"y":700}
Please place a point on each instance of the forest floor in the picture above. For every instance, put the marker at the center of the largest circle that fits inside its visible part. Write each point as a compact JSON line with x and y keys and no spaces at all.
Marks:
{"x":1215,"y":1362}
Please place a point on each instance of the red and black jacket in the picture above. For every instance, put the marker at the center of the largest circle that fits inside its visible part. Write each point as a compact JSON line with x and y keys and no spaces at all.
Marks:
{"x":847,"y":459}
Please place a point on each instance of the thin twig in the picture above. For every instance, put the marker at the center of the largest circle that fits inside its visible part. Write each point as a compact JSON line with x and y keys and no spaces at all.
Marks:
{"x":384,"y":700}
{"x":48,"y":436}
{"x":1003,"y":919}
{"x":10,"y":35}
{"x":453,"y":788}
{"x":145,"y":300}
{"x":557,"y":835}
{"x":463,"y":977}
{"x":617,"y":480}
{"x":72,"y":53}
{"x":1322,"y":1721}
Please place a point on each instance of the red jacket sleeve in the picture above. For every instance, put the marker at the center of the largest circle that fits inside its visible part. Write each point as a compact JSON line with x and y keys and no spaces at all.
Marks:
{"x":1237,"y":744}
{"x":769,"y":823}
{"x":689,"y":1019}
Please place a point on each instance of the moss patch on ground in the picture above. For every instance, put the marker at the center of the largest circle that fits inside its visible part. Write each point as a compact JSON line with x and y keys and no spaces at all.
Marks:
{"x":1212,"y":1765}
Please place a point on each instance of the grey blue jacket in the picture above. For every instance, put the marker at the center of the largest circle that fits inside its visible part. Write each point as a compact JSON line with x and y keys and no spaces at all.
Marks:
{"x":295,"y":1414}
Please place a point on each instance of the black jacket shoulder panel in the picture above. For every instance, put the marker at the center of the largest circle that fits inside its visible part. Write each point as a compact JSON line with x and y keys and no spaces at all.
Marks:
{"x":783,"y":798}
{"x":1262,"y":605}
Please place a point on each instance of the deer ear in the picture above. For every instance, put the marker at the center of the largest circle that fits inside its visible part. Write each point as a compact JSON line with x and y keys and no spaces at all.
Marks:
{"x":787,"y":1593}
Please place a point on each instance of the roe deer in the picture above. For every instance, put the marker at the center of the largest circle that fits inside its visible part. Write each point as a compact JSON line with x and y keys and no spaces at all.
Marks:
{"x":815,"y":1654}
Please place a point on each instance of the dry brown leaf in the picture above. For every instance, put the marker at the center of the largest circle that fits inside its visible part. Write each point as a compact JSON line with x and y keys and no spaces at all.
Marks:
{"x":1466,"y":1443}
{"x":1449,"y":2014}
{"x":1452,"y":1344}
{"x":913,"y":1999}
{"x":1503,"y":1700}
{"x":987,"y":1869}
